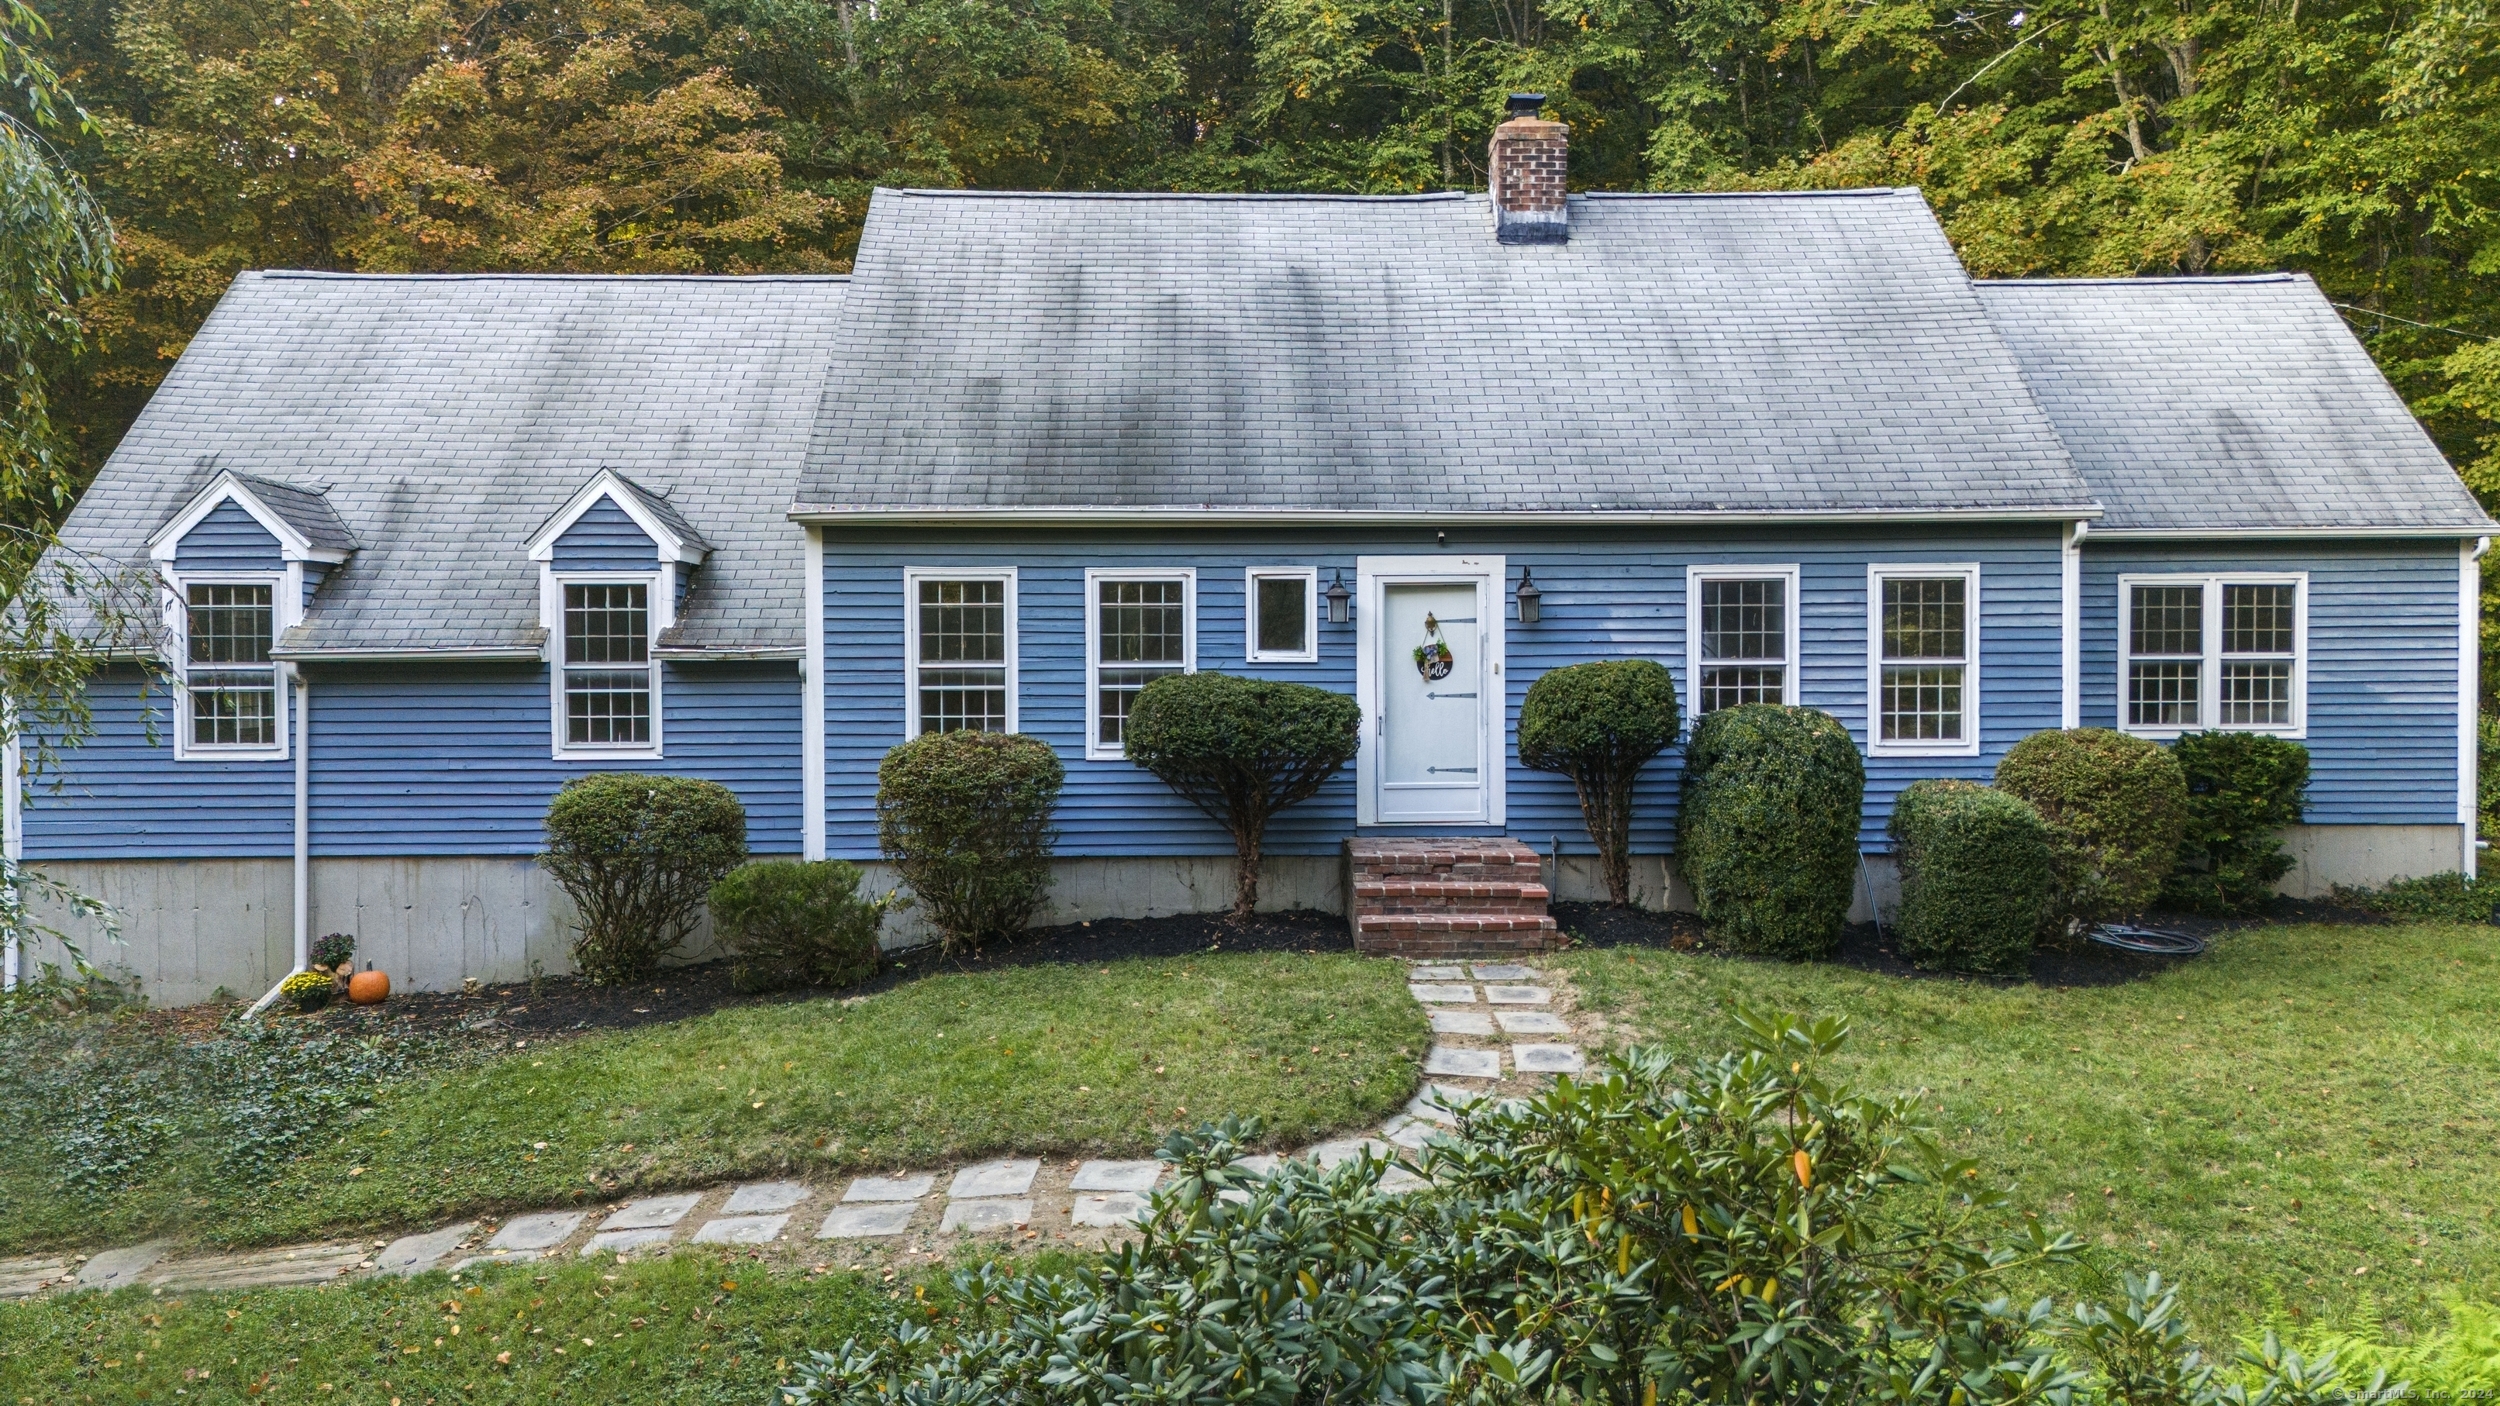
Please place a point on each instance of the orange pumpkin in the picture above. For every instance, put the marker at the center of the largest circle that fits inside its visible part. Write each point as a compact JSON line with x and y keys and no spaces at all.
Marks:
{"x":369,"y":987}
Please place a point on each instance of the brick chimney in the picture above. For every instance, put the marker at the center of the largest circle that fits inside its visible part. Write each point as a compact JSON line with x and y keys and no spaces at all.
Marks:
{"x":1530,"y":159}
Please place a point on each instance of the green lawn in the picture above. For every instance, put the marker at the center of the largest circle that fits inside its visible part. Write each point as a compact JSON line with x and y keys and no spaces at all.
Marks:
{"x":1046,"y":1059}
{"x":2304,"y":1116}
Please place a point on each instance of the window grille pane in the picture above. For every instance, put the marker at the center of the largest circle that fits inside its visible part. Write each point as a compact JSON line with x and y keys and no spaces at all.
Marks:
{"x":607,"y":625}
{"x":1728,"y":685}
{"x":963,"y":622}
{"x":2166,"y":620}
{"x":1284,"y":615}
{"x":231,"y":624}
{"x":1923,"y":704}
{"x":957,"y":699}
{"x":1115,"y":694}
{"x":608,"y":707}
{"x":1925,"y":619}
{"x":234,"y":707}
{"x":2257,"y":695}
{"x":2163,"y":694}
{"x":2256,"y":620}
{"x":1744,"y":620}
{"x":1141,"y":622}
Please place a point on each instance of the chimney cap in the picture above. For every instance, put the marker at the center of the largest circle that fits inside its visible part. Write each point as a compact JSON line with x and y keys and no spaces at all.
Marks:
{"x":1525,"y":104}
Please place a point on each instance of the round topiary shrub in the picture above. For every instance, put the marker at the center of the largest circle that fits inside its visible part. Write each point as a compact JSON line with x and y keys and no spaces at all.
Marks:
{"x":2114,"y":805}
{"x":1978,"y":872}
{"x":965,"y":816}
{"x":1768,"y":835}
{"x":2243,"y":789}
{"x":1599,"y":724}
{"x":796,"y":924}
{"x":638,"y":854}
{"x":1241,"y":750}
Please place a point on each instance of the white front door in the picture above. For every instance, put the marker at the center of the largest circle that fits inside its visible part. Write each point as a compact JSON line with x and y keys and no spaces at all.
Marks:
{"x":1433,"y":692}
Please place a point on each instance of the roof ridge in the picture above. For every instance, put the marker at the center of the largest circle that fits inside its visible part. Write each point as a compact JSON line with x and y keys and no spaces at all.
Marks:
{"x":362,"y":277}
{"x":2159,"y":280}
{"x":1410,"y":198}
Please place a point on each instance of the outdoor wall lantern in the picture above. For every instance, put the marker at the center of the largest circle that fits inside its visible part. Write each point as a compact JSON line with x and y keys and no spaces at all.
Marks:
{"x":1531,"y":600}
{"x":1340,"y":600}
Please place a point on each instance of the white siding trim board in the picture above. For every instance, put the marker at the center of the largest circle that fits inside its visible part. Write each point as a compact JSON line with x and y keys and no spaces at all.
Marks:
{"x":812,"y":706}
{"x":2469,"y":685}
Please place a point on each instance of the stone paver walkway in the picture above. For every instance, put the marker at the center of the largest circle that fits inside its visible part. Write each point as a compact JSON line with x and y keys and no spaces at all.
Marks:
{"x":1476,"y":1009}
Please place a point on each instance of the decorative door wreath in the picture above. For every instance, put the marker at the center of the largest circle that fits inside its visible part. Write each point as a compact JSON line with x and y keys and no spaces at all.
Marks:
{"x":1433,"y":659}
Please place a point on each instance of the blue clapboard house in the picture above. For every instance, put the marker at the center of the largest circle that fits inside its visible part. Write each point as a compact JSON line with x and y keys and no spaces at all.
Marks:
{"x":429,"y":546}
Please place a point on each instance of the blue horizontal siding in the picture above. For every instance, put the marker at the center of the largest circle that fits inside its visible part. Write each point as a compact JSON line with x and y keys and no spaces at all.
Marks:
{"x":1607,"y":595}
{"x":605,"y":538}
{"x":2382,"y":664}
{"x":228,"y":539}
{"x":413,"y":760}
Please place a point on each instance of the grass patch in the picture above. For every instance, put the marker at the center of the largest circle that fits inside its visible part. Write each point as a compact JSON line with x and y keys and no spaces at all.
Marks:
{"x":691,"y":1328}
{"x":2306,"y":1116}
{"x":1044,"y":1059}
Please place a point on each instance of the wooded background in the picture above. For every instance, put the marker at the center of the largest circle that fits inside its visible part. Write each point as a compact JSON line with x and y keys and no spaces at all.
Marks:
{"x":2356,"y":140}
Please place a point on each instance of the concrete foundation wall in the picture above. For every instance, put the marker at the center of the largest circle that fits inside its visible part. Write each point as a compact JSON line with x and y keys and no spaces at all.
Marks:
{"x":2367,"y":856}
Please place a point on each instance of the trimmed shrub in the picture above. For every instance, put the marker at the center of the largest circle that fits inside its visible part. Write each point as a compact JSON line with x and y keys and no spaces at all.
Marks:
{"x":1768,"y":835}
{"x":1599,"y":724}
{"x":796,"y":924}
{"x":638,"y":854}
{"x":1241,"y":750}
{"x":2243,"y":788}
{"x":2439,"y":898}
{"x":2487,"y":778}
{"x":2114,"y":806}
{"x":1977,"y":872}
{"x":965,"y":816}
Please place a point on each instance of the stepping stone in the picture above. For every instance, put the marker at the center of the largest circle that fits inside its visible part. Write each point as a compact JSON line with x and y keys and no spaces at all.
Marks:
{"x":741,"y":1230}
{"x":1461,"y":1023}
{"x":1503,"y":971}
{"x":262,"y":1269}
{"x":973,"y":1217}
{"x":1518,"y":995}
{"x":1011,"y":1177}
{"x":544,"y":1231}
{"x":30,"y":1274}
{"x":1117,"y":1176}
{"x":763,"y":1196}
{"x":1532,"y":1023}
{"x":1437,"y":974}
{"x":1264,"y":1165}
{"x":1114,"y":1211}
{"x":622,"y":1242}
{"x":1438,"y":1103}
{"x":1412,"y":1132}
{"x":867,"y":1222}
{"x":500,"y":1257}
{"x":1456,"y":1063}
{"x":1440,"y":993}
{"x":652,"y":1212}
{"x":890,"y":1188}
{"x":1546,"y":1059}
{"x":1329,"y":1154}
{"x":415,"y":1254}
{"x":116,"y":1269}
{"x":1397,"y":1181}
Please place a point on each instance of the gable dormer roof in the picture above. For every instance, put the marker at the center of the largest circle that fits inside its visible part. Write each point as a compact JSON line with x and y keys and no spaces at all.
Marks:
{"x":306,"y":526}
{"x":676,"y":538}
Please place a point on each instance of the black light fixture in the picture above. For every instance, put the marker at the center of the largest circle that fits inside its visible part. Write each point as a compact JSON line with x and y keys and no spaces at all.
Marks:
{"x":1531,"y":600}
{"x":1340,"y":600}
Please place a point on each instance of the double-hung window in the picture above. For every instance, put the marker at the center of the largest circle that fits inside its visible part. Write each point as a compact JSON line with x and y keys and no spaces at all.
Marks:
{"x":960,"y":643}
{"x":1741,"y":624}
{"x":608,"y":686}
{"x":1282,"y":615}
{"x":1923,"y":624}
{"x":1139,"y":626}
{"x":2222,"y":651}
{"x":229,"y":680}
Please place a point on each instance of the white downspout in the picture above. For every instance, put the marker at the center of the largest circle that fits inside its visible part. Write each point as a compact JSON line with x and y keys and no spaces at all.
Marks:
{"x":301,"y":692}
{"x":2070,"y":629}
{"x":812,"y":706}
{"x":2469,"y":697}
{"x":13,"y":835}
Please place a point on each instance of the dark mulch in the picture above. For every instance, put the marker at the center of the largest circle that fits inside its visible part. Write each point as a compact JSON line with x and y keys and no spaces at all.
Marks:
{"x":1866,"y":948}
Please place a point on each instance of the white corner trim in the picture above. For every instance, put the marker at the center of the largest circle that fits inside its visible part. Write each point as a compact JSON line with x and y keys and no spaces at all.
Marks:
{"x":1372,"y":575}
{"x":610,"y":485}
{"x":1095,"y":575}
{"x":1694,"y":576}
{"x":661,"y":596}
{"x":912,"y":577}
{"x":1250,"y":651}
{"x":2070,"y":629}
{"x":12,"y":833}
{"x":1972,"y":603}
{"x":286,"y":610}
{"x":2469,"y":697}
{"x":812,"y":706}
{"x":165,"y":543}
{"x":2209,"y":671}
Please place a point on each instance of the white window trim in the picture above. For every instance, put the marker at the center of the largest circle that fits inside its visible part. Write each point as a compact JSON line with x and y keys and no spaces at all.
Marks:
{"x":1877,"y":573}
{"x":2209,"y":672}
{"x":1694,"y":576}
{"x":663,"y":613}
{"x":1250,"y":579}
{"x":1188,"y":577}
{"x":286,"y":599}
{"x":912,"y":577}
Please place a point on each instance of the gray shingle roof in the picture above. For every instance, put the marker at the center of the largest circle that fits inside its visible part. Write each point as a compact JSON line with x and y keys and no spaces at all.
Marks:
{"x":1684,"y":353}
{"x":2195,"y":404}
{"x":443,"y":418}
{"x":307,"y":512}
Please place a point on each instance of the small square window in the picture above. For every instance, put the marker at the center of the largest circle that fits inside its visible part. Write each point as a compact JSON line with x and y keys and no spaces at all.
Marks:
{"x":1283,"y":610}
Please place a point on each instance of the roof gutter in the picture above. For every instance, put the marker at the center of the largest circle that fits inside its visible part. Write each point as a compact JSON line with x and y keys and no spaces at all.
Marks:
{"x":2194,"y":534}
{"x":728,"y":653}
{"x":1325,"y":517}
{"x":454,"y":654}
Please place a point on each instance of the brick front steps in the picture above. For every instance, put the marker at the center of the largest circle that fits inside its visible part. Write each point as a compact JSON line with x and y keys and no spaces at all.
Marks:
{"x":1446,"y":898}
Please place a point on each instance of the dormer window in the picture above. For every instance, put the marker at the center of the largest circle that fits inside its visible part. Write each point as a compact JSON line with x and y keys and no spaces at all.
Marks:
{"x":613,"y":562}
{"x":607,"y":664}
{"x":229,"y":680}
